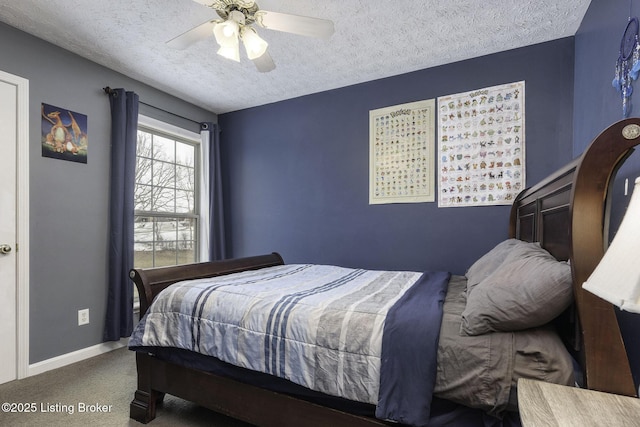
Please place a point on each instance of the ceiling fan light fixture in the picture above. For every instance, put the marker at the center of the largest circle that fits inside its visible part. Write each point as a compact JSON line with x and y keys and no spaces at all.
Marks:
{"x":230,"y":29}
{"x":226,"y":32}
{"x":253,"y":43}
{"x":229,"y":53}
{"x":230,"y":50}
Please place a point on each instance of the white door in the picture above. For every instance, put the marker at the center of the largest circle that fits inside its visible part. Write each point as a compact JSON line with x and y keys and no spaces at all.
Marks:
{"x":14,"y":227}
{"x":8,"y":144}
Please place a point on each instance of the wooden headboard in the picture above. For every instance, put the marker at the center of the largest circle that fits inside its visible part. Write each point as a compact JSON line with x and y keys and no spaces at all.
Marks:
{"x":568,"y":213}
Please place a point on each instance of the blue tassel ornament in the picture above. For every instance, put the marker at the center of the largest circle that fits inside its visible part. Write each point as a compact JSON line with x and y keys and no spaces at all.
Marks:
{"x":617,"y":77}
{"x":627,"y":65}
{"x":635,"y":63}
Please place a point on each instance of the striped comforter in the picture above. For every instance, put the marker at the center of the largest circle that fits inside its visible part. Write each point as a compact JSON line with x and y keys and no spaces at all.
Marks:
{"x":345,"y":332}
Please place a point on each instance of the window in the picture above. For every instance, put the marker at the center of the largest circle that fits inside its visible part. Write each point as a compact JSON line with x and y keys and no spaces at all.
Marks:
{"x":166,"y":202}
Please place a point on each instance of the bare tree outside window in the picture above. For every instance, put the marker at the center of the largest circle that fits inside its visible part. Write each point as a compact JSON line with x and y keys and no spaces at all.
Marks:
{"x":166,"y":220}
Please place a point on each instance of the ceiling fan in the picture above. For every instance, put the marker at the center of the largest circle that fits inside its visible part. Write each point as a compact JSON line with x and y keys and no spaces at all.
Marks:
{"x":236,"y":23}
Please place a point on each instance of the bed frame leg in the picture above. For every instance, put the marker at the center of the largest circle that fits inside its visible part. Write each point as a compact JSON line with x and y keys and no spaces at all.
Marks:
{"x":143,"y":407}
{"x":145,"y":400}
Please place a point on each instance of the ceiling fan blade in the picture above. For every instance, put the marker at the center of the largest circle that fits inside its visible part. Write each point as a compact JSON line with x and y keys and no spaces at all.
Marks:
{"x":264,"y":63}
{"x":188,"y":38}
{"x":296,"y":24}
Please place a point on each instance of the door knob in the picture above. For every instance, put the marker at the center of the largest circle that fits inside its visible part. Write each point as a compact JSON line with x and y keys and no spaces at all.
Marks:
{"x":5,"y":249}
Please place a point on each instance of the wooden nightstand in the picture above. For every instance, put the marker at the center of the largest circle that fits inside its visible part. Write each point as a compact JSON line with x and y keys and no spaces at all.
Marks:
{"x":543,"y":404}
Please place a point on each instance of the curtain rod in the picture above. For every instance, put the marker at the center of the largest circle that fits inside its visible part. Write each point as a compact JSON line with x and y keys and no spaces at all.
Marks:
{"x":203,"y":126}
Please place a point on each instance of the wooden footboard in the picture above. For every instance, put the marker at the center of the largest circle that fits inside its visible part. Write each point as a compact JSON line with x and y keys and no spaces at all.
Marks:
{"x":151,"y":281}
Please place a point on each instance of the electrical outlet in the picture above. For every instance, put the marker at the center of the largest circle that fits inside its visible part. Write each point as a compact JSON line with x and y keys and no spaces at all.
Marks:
{"x":83,"y":317}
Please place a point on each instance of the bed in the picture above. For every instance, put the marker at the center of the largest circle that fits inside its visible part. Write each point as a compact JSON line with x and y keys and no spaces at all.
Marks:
{"x":561,"y":222}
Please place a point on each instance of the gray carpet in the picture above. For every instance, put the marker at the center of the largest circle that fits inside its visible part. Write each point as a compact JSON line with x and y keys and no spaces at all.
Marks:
{"x":105,"y":385}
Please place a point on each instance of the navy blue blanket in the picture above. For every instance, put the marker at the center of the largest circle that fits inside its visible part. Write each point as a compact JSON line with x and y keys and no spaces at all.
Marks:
{"x":409,"y":352}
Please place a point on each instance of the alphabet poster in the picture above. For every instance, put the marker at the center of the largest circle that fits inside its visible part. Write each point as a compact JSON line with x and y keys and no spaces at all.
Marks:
{"x":481,"y":146}
{"x":401,"y":157}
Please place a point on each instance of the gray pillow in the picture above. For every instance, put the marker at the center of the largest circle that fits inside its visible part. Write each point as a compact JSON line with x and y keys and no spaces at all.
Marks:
{"x":489,"y":262}
{"x":530,"y":288}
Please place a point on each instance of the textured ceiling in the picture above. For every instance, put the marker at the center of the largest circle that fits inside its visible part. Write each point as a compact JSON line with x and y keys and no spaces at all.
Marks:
{"x":373,"y":39}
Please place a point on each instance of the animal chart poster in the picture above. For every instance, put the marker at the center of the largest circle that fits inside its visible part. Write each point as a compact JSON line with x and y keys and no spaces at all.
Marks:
{"x":64,"y":134}
{"x":481,"y":146}
{"x":401,"y":153}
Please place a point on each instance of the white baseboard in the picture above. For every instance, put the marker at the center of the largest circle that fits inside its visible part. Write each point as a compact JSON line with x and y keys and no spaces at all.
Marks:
{"x":75,"y":356}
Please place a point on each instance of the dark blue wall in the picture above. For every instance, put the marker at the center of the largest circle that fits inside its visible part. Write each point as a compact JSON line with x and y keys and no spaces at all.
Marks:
{"x":596,"y":106}
{"x":296,"y":171}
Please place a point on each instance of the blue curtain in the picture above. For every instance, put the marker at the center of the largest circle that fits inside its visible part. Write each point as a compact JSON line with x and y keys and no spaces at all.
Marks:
{"x":217,"y":246}
{"x":124,"y":128}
